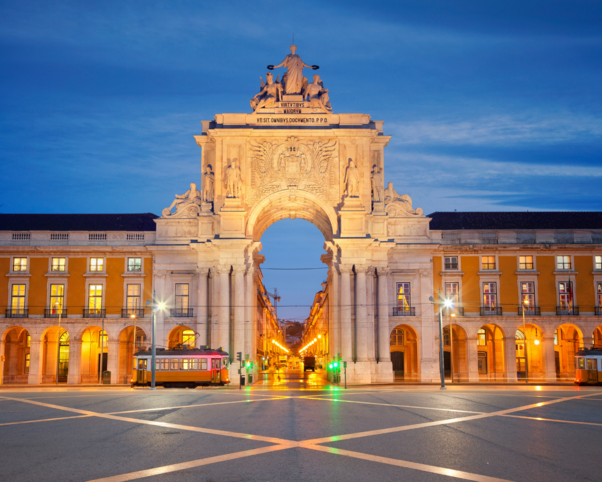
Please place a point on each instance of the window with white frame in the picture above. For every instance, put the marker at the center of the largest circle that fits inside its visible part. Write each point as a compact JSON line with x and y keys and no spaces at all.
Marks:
{"x":599,"y":293}
{"x":97,"y":264}
{"x":525,"y":262}
{"x":488,"y":262}
{"x":188,"y":338}
{"x":527,"y":294}
{"x":481,"y":337}
{"x":490,"y":296}
{"x":565,"y":295}
{"x":397,"y":337}
{"x":452,"y":292}
{"x":133,"y":297}
{"x":57,"y":298}
{"x":404,"y":296}
{"x":563,"y":262}
{"x":58,"y":265}
{"x":182,"y":297}
{"x":135,"y":265}
{"x":451,"y":262}
{"x":17,"y":301}
{"x":19,"y":265}
{"x":95,"y":299}
{"x":598,"y":262}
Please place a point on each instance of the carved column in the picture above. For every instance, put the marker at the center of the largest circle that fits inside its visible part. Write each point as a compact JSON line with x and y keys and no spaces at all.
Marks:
{"x":249,"y":348}
{"x":202,"y":308}
{"x":510,"y":358}
{"x":370,"y":314}
{"x":113,"y":360}
{"x":75,"y":358}
{"x":361,"y":321}
{"x":223,"y":332}
{"x":161,"y":340}
{"x":334,"y":332}
{"x":346,"y":328}
{"x":384,"y":336}
{"x":35,"y":362}
{"x":550,"y":358}
{"x":472,"y":360}
{"x":213,"y":307}
{"x":239,"y":311}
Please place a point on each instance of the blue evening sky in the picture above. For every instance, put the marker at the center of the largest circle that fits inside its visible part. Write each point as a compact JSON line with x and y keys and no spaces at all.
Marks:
{"x":491,"y":105}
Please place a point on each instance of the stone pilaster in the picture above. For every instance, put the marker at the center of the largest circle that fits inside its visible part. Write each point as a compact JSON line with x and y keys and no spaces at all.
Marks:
{"x":113,"y":361}
{"x":249,"y":346}
{"x":202,"y":318}
{"x":510,"y":358}
{"x":370,"y":314}
{"x":239,"y":310}
{"x":550,"y":358}
{"x":35,"y":362}
{"x":472,"y":356}
{"x":223,"y":332}
{"x":361,"y":321}
{"x":161,"y":340}
{"x":346,"y":330}
{"x":75,"y":358}
{"x":384,"y":335}
{"x":212,"y":324}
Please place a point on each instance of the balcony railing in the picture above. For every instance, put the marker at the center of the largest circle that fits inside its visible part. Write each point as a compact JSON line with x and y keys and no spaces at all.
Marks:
{"x":456,"y":310}
{"x":17,"y":313}
{"x":181,"y":312}
{"x":54,"y":313}
{"x":530,"y":311}
{"x":94,"y":313}
{"x":128,"y":312}
{"x":565,"y":310}
{"x":491,"y":311}
{"x":407,"y":311}
{"x":598,"y":310}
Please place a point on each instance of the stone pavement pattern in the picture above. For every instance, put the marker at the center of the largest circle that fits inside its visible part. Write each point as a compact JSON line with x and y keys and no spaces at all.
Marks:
{"x":300,"y":431}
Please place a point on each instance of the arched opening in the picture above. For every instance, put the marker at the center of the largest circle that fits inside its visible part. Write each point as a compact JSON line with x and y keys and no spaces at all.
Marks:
{"x":568,"y":339}
{"x":490,"y":352}
{"x":50,"y":352}
{"x":597,"y":336}
{"x":95,"y":350}
{"x":404,"y":352}
{"x":529,"y":352}
{"x":455,"y":353}
{"x":127,"y":347}
{"x":180,"y":337}
{"x":17,"y":343}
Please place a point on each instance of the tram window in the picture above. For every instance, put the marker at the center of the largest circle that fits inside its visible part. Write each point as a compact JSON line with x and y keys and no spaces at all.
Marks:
{"x":591,"y":364}
{"x":164,"y":364}
{"x":194,"y":364}
{"x":174,"y":364}
{"x":215,"y":363}
{"x":581,"y":363}
{"x":204,"y":364}
{"x":185,"y":364}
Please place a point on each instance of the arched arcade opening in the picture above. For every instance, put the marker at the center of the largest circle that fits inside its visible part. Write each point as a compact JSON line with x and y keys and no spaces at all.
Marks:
{"x":404,"y":353}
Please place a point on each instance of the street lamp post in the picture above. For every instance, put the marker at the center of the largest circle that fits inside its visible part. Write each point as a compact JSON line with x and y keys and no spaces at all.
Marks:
{"x":156,"y":306}
{"x":447,"y":304}
{"x":525,"y":304}
{"x":133,"y":317}
{"x":58,"y":342}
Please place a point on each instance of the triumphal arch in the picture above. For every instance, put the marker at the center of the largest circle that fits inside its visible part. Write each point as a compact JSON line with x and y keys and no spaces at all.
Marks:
{"x":294,"y":156}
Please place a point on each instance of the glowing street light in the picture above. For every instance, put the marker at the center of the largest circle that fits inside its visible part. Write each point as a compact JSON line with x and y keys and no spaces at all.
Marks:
{"x":448,"y":303}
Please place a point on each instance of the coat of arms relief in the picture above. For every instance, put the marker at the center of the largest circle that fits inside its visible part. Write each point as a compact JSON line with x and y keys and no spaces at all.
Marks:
{"x":306,"y":166}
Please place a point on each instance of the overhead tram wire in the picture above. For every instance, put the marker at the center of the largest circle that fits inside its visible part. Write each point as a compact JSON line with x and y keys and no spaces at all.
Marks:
{"x":292,"y":269}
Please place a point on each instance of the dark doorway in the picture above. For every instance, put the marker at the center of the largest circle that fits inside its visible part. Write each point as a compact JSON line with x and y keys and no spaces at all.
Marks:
{"x":447,"y":363}
{"x":397,"y":358}
{"x":104,"y":361}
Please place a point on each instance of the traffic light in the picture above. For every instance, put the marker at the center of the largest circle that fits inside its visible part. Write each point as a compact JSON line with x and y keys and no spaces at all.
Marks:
{"x":239,"y":356}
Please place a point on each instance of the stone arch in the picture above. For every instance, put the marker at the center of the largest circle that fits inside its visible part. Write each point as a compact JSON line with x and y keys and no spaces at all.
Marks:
{"x":598,"y":336}
{"x":17,"y":355}
{"x":94,"y":355}
{"x":127,"y":348}
{"x":181,"y":335}
{"x":490,"y":352}
{"x":292,"y":204}
{"x":530,"y":355}
{"x":568,"y":339}
{"x":455,"y":348}
{"x":403,"y":342}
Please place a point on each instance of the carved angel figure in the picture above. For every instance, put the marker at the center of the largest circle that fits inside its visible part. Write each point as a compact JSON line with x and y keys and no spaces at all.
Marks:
{"x":209,"y":185}
{"x":377,"y":187}
{"x":233,"y":180}
{"x":183,"y":202}
{"x":269,"y":94}
{"x":318,"y":95}
{"x":352,"y":180}
{"x":399,"y":205}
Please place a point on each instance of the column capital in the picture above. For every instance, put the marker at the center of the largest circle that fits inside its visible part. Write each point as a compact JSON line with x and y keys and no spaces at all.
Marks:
{"x":383,"y":271}
{"x":371,"y":271}
{"x":202,"y":271}
{"x":222,"y":269}
{"x":250,"y":271}
{"x":361,"y":268}
{"x":238,"y":269}
{"x":345,"y":268}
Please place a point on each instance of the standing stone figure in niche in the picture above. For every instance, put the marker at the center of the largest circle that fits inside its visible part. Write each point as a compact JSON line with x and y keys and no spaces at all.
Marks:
{"x":377,"y":187}
{"x":318,"y":95}
{"x":233,"y":180}
{"x":293,"y":80}
{"x":352,"y":180}
{"x":209,"y":185}
{"x":192,"y":196}
{"x":269,"y":94}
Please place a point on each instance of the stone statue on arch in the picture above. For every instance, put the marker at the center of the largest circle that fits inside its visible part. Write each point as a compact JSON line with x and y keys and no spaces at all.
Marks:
{"x":233,"y":180}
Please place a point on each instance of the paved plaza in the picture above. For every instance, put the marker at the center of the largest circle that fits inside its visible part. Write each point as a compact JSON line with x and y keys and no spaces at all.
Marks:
{"x":292,"y":427}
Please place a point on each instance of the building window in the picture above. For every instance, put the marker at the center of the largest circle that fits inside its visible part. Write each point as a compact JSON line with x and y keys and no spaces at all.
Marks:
{"x":600,"y":294}
{"x":598,"y":262}
{"x":58,"y":264}
{"x":490,"y":296}
{"x":452,"y":292}
{"x":95,"y":299}
{"x":565,"y":294}
{"x":527,"y":293}
{"x":397,"y":337}
{"x":451,"y":262}
{"x":19,"y":264}
{"x":556,"y":337}
{"x":488,"y":262}
{"x":28,"y":341}
{"x":446,"y":337}
{"x":133,"y":297}
{"x":97,"y":264}
{"x":57,"y":296}
{"x":182,"y":296}
{"x":404,"y":297}
{"x":563,"y":262}
{"x":135,"y":264}
{"x":17,"y":302}
{"x":482,"y":363}
{"x":525,"y":262}
{"x":27,"y":362}
{"x":481,"y":337}
{"x":188,"y":338}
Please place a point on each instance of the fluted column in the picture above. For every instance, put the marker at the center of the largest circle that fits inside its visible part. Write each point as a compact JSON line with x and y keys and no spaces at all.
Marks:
{"x":223,"y":334}
{"x":361,"y":321}
{"x":249,"y":305}
{"x":239,"y":310}
{"x":334,"y":331}
{"x":371,"y":343}
{"x":75,"y":359}
{"x":346,"y":328}
{"x":35,"y":362}
{"x":213,"y":308}
{"x":384,"y":336}
{"x":202,"y":318}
